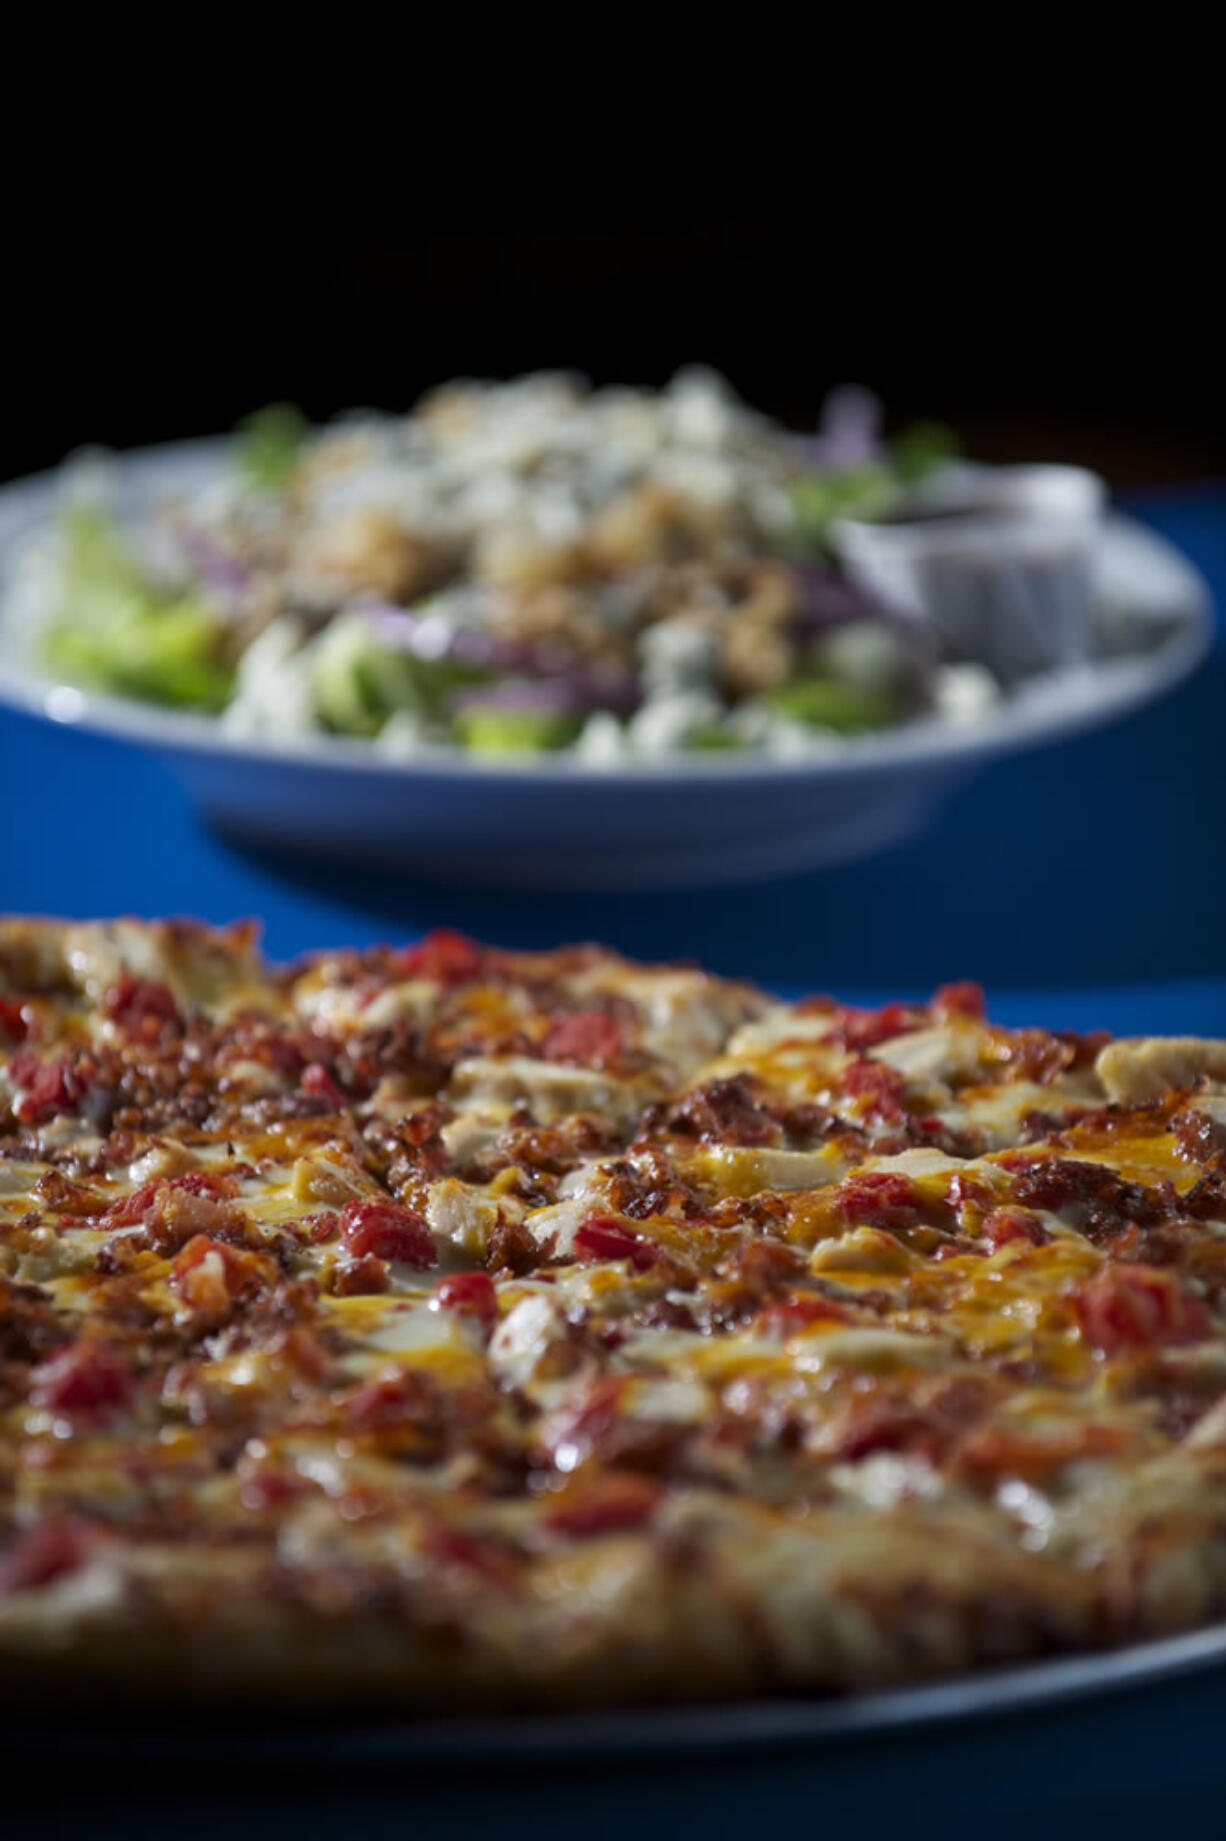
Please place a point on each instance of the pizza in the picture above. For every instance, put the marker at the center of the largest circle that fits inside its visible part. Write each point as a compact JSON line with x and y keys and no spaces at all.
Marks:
{"x":440,"y":1327}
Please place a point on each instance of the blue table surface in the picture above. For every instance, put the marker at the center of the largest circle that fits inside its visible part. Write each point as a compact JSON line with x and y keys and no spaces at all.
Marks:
{"x":1084,"y":886}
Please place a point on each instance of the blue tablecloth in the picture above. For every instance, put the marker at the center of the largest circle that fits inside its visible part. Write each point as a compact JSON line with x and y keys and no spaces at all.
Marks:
{"x":1085,"y":886}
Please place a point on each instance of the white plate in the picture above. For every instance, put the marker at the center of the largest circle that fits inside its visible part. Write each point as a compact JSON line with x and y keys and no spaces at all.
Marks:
{"x":554,"y":822}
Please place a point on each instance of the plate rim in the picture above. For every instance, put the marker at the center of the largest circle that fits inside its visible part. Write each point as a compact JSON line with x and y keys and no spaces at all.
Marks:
{"x":643,"y":1732}
{"x":1059,"y":706}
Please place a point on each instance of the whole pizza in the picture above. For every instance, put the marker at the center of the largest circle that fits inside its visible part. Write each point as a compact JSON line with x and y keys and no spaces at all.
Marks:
{"x":444,"y":1327}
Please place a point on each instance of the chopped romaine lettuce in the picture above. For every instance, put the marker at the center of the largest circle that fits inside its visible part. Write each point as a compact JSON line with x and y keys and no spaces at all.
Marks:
{"x":712,"y":737}
{"x":825,"y":703}
{"x":358,"y":683}
{"x":488,"y":729}
{"x":921,"y":448}
{"x":269,"y":445}
{"x":115,"y":631}
{"x":852,"y":492}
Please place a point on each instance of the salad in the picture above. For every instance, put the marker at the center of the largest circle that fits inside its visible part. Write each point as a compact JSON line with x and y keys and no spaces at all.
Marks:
{"x":532,"y":566}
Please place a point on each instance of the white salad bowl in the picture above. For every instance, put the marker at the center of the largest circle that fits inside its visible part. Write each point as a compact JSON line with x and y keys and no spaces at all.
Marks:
{"x":551,"y":820}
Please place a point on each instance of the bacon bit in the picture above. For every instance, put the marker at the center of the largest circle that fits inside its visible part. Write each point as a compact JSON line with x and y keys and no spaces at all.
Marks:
{"x":44,"y":1553}
{"x":857,"y":1030}
{"x":60,"y":1193}
{"x":599,"y":1239}
{"x":866,"y":1426}
{"x":1100,"y":1199}
{"x":1007,"y":1224}
{"x":132,"y":1210}
{"x":1014,"y":1451}
{"x":726,"y":1112}
{"x":472,"y":1294}
{"x":218,"y":1184}
{"x":317,"y":1081}
{"x":209,"y":1275}
{"x":280,"y":1052}
{"x":660,"y":1314}
{"x":358,"y":1278}
{"x":51,"y":1087}
{"x":475,"y":1553}
{"x":268,"y":1489}
{"x":141,"y":1008}
{"x":925,"y":1422}
{"x":394,"y":1394}
{"x":16,"y":1020}
{"x":605,"y":1507}
{"x":86,"y":1377}
{"x":794,"y":1315}
{"x":969,"y":1197}
{"x":879,"y":1198}
{"x":965,"y":999}
{"x":882,"y":1086}
{"x":443,"y":956}
{"x":585,"y":1038}
{"x":1130,"y":1308}
{"x":1198,"y":1136}
{"x":144,"y":1205}
{"x":572,"y":1434}
{"x":1041,"y":1055}
{"x":389,"y":1232}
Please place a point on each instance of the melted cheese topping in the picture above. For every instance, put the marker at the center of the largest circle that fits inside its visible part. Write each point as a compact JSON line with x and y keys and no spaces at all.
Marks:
{"x":451,"y":1259}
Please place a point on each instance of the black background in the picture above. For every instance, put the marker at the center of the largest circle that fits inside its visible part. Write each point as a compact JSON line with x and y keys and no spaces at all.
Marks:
{"x":1071,"y":319}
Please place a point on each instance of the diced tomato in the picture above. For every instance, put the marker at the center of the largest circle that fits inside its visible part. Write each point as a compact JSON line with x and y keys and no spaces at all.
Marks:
{"x":472,"y":1294}
{"x":444,"y":956}
{"x":605,"y":1507}
{"x":857,"y":1030}
{"x":317,"y":1081}
{"x":1129,"y":1308}
{"x":389,"y":1232}
{"x":963,"y":999}
{"x":44,"y":1553}
{"x":1006,"y":1224}
{"x":15,"y":1020}
{"x":52,"y":1087}
{"x":879,"y":1198}
{"x":86,"y":1377}
{"x":141,"y":1007}
{"x":881,"y":1086}
{"x":588,"y":1038}
{"x":575,"y":1431}
{"x":601,"y":1239}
